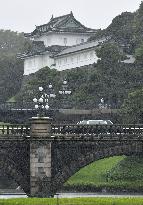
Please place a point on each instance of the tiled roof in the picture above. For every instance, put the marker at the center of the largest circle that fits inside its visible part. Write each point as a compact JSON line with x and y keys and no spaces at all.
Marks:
{"x":66,"y":23}
{"x":38,"y":48}
{"x":80,"y":47}
{"x":56,"y":50}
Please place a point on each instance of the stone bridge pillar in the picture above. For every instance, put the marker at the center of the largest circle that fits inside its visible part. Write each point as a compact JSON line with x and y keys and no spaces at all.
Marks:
{"x":40,"y":157}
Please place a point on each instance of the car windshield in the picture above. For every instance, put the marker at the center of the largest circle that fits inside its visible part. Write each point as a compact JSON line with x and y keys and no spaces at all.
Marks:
{"x":109,"y":122}
{"x":95,"y":122}
{"x":83,"y":122}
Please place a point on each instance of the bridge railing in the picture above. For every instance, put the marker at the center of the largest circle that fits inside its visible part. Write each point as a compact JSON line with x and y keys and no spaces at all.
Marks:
{"x":78,"y":130}
{"x":14,"y":129}
{"x":130,"y":129}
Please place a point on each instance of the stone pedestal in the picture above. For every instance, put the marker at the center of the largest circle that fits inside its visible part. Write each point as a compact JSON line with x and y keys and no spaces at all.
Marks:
{"x":40,"y":127}
{"x":40,"y":157}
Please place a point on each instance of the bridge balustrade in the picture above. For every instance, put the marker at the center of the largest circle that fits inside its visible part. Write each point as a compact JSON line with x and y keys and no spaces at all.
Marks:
{"x":79,"y":130}
{"x":98,"y":130}
{"x":14,"y":129}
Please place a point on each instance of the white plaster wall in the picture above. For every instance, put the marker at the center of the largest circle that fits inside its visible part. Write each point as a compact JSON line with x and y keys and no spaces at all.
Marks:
{"x":35,"y":63}
{"x":77,"y":59}
{"x":59,"y":39}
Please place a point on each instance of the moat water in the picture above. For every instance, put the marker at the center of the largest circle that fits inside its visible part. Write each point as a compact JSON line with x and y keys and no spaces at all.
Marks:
{"x":11,"y":194}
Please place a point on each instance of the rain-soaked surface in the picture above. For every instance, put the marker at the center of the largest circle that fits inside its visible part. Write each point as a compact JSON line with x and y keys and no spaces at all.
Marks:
{"x":71,"y":195}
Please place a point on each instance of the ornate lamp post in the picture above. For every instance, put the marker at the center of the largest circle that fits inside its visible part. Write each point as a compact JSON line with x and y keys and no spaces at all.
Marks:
{"x":102,"y":104}
{"x":64,"y":91}
{"x":41,"y":127}
{"x":42,"y":103}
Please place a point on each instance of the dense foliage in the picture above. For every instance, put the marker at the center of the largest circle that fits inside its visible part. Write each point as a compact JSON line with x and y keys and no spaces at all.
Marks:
{"x":132,"y":108}
{"x":11,"y":68}
{"x":12,"y":43}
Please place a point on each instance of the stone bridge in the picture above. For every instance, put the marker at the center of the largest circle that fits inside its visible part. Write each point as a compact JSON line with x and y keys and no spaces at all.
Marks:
{"x":41,"y":156}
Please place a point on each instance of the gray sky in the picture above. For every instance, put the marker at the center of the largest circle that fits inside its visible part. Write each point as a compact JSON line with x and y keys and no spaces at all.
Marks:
{"x":23,"y":15}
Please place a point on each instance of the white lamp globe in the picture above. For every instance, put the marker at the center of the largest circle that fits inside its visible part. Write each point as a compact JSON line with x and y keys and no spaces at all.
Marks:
{"x":50,"y":85}
{"x":47,"y":107}
{"x":67,"y":92}
{"x":52,"y":95}
{"x":41,"y":88}
{"x":35,"y":100}
{"x":41,"y":100}
{"x":65,"y":82}
{"x":36,"y":106}
{"x":60,"y":92}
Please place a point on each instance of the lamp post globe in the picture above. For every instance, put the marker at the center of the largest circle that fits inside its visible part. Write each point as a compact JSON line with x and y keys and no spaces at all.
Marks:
{"x":35,"y":100}
{"x":42,"y":102}
{"x":36,"y":106}
{"x":41,"y":88}
{"x":47,"y":107}
{"x":50,"y":85}
{"x":65,"y":82}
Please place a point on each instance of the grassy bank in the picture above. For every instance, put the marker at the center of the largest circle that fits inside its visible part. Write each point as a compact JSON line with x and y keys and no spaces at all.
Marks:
{"x":113,"y":174}
{"x":74,"y":201}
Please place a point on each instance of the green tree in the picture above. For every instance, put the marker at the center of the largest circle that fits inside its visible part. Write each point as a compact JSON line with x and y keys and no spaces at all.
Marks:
{"x":138,"y":23}
{"x":109,"y":73}
{"x":11,"y":73}
{"x":43,"y":78}
{"x":139,"y":55}
{"x":132,"y":108}
{"x":12,"y":43}
{"x":11,"y":68}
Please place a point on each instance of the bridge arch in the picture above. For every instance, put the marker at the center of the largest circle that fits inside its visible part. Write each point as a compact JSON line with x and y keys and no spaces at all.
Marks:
{"x":8,"y":167}
{"x":89,"y":157}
